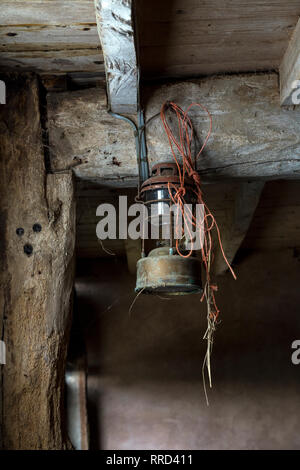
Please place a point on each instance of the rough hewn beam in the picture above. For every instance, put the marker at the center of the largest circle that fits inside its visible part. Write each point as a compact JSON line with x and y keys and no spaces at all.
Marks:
{"x":36,"y":276}
{"x":237,"y":221}
{"x":252,"y":136}
{"x":116,"y":30}
{"x":290,"y":71}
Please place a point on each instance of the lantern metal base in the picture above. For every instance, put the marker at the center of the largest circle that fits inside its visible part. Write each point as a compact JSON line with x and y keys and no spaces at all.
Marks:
{"x":169,"y":274}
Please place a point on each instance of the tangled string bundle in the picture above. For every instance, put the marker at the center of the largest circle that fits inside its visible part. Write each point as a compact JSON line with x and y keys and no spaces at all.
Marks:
{"x":184,"y":147}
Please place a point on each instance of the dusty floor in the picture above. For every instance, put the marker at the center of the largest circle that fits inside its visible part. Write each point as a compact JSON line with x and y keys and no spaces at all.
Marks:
{"x":145,"y":386}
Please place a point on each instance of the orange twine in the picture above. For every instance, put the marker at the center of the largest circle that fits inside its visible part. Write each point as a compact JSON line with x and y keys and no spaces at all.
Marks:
{"x":184,"y":148}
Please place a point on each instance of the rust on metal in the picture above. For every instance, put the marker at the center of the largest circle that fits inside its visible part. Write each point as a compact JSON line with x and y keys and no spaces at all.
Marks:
{"x":163,"y":174}
{"x":163,"y":270}
{"x":169,"y":274}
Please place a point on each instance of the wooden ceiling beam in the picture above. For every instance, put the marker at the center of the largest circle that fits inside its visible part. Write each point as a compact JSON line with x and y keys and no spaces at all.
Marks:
{"x":290,"y":71}
{"x":115,"y":20}
{"x":252,"y":137}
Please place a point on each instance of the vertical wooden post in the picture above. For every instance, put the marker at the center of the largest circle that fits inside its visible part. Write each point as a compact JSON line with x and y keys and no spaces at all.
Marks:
{"x":36,"y":276}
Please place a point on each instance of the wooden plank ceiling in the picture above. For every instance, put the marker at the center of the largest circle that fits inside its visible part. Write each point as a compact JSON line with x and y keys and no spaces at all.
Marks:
{"x":184,"y":38}
{"x":52,"y":36}
{"x":178,"y":38}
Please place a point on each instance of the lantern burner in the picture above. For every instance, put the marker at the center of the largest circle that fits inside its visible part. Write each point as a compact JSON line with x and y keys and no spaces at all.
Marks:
{"x":160,"y":272}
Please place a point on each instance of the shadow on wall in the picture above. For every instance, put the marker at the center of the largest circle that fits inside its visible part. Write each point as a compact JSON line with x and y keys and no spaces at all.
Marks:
{"x":145,"y":386}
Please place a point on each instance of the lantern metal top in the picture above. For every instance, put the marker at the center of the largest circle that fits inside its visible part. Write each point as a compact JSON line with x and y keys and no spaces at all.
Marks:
{"x":162,"y":174}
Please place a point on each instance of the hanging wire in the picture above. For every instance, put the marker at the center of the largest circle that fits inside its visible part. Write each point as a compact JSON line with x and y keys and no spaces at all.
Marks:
{"x":184,"y":147}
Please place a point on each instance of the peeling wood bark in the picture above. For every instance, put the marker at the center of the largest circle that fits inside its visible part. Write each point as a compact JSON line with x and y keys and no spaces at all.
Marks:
{"x":252,"y":137}
{"x":116,"y":31}
{"x":36,"y":287}
{"x":290,"y":71}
